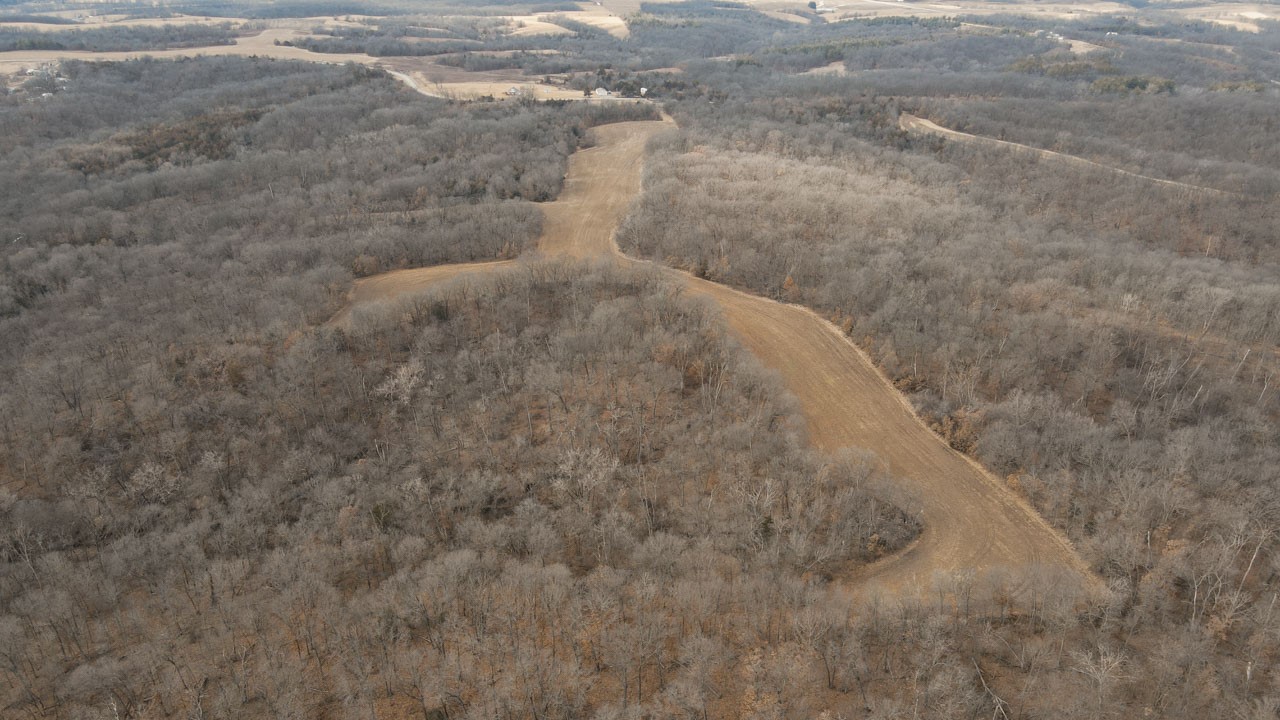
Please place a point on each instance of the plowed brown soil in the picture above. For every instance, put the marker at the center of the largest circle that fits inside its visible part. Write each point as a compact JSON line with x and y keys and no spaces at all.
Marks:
{"x":972,"y":520}
{"x":389,"y":286}
{"x":599,"y":187}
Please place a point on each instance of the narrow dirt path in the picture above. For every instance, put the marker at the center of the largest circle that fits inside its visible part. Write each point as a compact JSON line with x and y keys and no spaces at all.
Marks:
{"x":972,"y":520}
{"x":911,"y":123}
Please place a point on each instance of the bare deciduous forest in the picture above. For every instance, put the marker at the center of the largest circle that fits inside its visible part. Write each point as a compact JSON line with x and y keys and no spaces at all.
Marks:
{"x":565,"y":489}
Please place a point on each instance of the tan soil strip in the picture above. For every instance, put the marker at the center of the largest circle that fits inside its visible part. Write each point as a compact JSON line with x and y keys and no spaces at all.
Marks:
{"x":390,"y":286}
{"x":599,"y":187}
{"x":420,"y":74}
{"x":835,"y":68}
{"x":972,"y":520}
{"x":261,"y":45}
{"x":911,"y":123}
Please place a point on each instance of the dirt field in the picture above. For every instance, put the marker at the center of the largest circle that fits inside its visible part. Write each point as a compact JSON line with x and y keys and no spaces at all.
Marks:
{"x":972,"y":520}
{"x":261,"y":45}
{"x":603,"y":18}
{"x":420,"y":73}
{"x":835,"y":68}
{"x":591,"y":14}
{"x":389,"y":286}
{"x":525,"y":25}
{"x":789,"y":17}
{"x":101,"y":21}
{"x":479,"y":89}
{"x":845,"y":9}
{"x":599,"y":187}
{"x":911,"y":123}
{"x":1243,"y":16}
{"x":1080,"y":47}
{"x":625,"y":7}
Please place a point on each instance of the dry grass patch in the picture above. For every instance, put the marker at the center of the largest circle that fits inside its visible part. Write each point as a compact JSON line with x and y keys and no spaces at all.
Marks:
{"x":260,"y":45}
{"x":788,"y":16}
{"x":600,"y":18}
{"x":835,"y":68}
{"x":1242,"y":16}
{"x":526,"y":25}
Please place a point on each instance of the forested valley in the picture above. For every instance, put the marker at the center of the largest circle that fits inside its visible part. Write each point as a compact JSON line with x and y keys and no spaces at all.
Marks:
{"x":564,"y":489}
{"x":539,"y":435}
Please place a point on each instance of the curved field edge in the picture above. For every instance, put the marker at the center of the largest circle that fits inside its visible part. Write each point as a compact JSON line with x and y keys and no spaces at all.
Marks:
{"x":974,"y":525}
{"x":912,"y":124}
